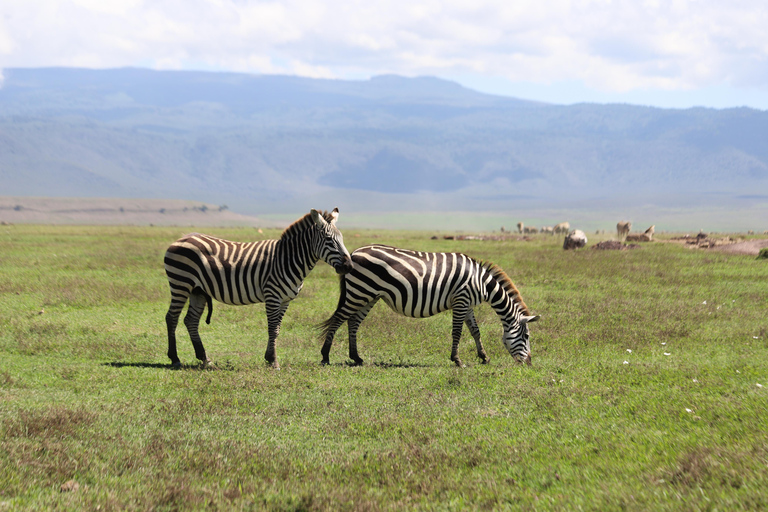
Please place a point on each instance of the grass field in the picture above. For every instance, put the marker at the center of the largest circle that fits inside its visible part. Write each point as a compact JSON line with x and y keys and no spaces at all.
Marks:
{"x":648,"y":389}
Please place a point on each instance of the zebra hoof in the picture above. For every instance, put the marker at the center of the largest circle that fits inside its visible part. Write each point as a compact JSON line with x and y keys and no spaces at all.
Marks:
{"x":459,"y":363}
{"x":486,"y":360}
{"x":207,"y":364}
{"x":274,"y":365}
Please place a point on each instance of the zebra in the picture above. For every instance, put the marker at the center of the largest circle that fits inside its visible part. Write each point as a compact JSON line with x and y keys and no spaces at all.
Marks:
{"x":562,"y":228}
{"x":271,"y":271}
{"x":423,"y":284}
{"x":622,"y":229}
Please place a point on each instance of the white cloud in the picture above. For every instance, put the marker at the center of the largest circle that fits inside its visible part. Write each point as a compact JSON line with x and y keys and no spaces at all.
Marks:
{"x":613,"y":46}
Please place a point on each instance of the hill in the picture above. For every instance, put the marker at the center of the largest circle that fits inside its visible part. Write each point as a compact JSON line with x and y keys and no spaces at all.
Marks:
{"x":281,"y":144}
{"x":108,"y":211}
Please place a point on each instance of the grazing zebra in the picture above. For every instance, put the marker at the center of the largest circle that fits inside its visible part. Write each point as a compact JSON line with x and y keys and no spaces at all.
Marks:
{"x":562,"y":228}
{"x":271,"y":271}
{"x":422,"y":284}
{"x":622,"y":229}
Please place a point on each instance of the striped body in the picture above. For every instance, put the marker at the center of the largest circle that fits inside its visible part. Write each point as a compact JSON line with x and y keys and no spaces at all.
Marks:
{"x":423,"y":284}
{"x":234,"y":273}
{"x":201,"y":267}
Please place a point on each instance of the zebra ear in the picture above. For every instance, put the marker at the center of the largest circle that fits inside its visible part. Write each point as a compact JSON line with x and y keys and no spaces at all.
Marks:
{"x":528,"y":319}
{"x":334,"y":215}
{"x":319,"y":220}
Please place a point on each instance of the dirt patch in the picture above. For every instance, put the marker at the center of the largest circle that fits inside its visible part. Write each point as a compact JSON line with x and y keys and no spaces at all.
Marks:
{"x":109,"y":211}
{"x":725,"y":244}
{"x":496,"y":238}
{"x":750,"y":247}
{"x":613,"y":245}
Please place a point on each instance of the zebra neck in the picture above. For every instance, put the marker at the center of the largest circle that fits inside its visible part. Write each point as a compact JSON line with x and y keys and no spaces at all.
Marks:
{"x":295,"y":256}
{"x":504,"y":298}
{"x":505,"y":308}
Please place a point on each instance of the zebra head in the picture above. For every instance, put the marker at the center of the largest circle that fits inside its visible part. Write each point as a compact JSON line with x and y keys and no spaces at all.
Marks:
{"x":516,"y":339}
{"x":328,"y":242}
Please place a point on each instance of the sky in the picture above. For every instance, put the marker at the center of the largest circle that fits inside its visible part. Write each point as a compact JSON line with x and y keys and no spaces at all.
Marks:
{"x":663,"y":53}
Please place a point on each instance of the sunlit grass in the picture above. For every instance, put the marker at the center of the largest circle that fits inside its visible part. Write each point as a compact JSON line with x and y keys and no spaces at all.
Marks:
{"x":643,"y":392}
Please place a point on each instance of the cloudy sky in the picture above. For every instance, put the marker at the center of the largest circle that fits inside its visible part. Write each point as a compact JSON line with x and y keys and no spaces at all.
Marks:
{"x":667,"y":53}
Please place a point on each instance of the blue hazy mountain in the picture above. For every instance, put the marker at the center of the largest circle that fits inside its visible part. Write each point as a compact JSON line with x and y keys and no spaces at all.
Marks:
{"x":390,"y":142}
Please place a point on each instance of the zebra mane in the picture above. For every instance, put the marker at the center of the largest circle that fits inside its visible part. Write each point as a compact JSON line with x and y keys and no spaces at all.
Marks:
{"x":503,"y":279}
{"x":301,"y":224}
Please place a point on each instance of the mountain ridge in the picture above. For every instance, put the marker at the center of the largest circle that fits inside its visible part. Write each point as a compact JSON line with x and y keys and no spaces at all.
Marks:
{"x":276,"y":142}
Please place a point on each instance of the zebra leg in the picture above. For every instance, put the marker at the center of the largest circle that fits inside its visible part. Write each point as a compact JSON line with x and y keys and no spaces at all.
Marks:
{"x":275,"y":312}
{"x":195,"y":311}
{"x":475,"y":331}
{"x":171,"y":321}
{"x":353,"y":325}
{"x":460,"y":310}
{"x":330,"y":328}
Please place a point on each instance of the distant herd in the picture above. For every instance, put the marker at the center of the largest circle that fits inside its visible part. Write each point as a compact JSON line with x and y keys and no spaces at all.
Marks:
{"x":576,"y":238}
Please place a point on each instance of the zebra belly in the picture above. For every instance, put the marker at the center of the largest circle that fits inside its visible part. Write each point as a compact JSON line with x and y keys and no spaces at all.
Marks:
{"x":412,"y":311}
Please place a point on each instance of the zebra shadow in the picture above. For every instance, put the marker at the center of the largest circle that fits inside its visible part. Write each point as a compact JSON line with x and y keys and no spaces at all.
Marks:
{"x":169,"y":366}
{"x":398,"y":364}
{"x":378,"y":364}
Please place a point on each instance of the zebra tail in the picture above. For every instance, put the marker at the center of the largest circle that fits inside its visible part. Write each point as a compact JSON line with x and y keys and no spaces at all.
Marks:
{"x":326,"y":326}
{"x":210,"y":308}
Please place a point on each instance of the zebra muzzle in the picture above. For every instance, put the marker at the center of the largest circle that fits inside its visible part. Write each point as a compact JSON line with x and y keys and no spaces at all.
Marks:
{"x":523,"y":359}
{"x":345,"y":267}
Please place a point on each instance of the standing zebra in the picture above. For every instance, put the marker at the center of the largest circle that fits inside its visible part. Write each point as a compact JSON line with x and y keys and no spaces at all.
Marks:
{"x":422,"y":284}
{"x":271,"y":271}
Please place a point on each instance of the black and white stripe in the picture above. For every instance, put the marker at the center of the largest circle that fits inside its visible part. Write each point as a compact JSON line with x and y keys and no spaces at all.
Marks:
{"x":271,"y":271}
{"x":422,"y":284}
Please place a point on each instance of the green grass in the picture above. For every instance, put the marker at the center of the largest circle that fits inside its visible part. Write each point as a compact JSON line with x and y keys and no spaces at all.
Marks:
{"x":86,"y":392}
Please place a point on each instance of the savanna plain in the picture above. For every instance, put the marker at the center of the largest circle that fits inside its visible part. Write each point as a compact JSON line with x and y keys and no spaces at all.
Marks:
{"x":648,"y":387}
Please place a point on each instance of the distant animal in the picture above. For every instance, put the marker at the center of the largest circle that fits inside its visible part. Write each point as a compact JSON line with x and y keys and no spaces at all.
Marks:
{"x":622,"y":229}
{"x":520,"y":227}
{"x":562,"y":228}
{"x":423,"y":284}
{"x":547,"y":229}
{"x":531,"y":229}
{"x":575,"y":240}
{"x":646,"y":236}
{"x":200,"y":267}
